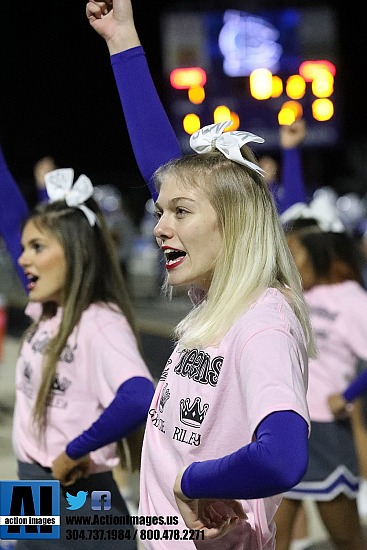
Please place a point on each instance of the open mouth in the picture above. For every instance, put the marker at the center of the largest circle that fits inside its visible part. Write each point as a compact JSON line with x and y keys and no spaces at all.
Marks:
{"x":173,"y":257}
{"x":32,"y":279}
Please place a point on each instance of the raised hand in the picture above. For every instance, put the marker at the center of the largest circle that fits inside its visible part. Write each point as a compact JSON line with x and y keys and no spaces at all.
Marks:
{"x":42,"y":167}
{"x":114,"y":21}
{"x":292,"y":135}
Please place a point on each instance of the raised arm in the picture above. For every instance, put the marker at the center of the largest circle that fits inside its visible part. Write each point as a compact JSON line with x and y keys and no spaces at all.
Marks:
{"x":151,"y":134}
{"x":13,"y":211}
{"x":292,"y":183}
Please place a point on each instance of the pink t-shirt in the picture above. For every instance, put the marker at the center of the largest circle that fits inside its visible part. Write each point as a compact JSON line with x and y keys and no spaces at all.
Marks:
{"x":208,"y":403}
{"x":339,"y":319}
{"x":101,"y":354}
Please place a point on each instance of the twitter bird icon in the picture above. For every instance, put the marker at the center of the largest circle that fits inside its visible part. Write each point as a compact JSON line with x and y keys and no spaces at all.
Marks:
{"x":76,"y":502}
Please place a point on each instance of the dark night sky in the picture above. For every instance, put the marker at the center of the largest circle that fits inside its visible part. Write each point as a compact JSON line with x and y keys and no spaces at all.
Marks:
{"x":58,"y":95}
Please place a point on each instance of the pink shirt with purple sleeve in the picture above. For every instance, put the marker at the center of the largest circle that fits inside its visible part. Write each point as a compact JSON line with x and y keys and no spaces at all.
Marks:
{"x":209,"y":402}
{"x":101,"y":353}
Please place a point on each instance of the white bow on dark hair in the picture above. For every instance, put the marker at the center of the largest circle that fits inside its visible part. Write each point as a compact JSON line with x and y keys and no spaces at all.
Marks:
{"x":59,"y":186}
{"x":229,"y":144}
{"x":321,"y":209}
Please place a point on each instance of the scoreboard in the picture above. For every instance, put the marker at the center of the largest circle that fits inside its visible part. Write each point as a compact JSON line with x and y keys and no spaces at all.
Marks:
{"x":258,"y":69}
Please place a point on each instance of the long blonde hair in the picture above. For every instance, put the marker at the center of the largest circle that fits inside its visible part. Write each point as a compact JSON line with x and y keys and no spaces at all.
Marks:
{"x":254,"y":254}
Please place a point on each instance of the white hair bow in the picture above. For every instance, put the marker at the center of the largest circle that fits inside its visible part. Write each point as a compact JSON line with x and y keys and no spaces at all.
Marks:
{"x":59,"y":186}
{"x":212,"y":137}
{"x":320,"y":209}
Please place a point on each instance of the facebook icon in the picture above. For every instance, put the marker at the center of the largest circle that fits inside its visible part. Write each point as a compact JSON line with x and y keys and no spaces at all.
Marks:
{"x":101,"y":500}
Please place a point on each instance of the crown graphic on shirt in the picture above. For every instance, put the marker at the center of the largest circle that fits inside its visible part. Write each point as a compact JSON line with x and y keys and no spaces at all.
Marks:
{"x":60,"y":386}
{"x":193,"y":414}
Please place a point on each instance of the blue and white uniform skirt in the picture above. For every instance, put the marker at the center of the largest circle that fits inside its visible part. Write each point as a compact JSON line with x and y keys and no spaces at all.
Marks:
{"x":333,"y":464}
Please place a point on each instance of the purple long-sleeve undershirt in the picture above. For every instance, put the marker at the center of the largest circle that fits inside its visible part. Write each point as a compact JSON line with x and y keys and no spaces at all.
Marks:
{"x":271,"y":465}
{"x":357,"y":388}
{"x":292,"y":183}
{"x":151,"y":134}
{"x":126,"y":413}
